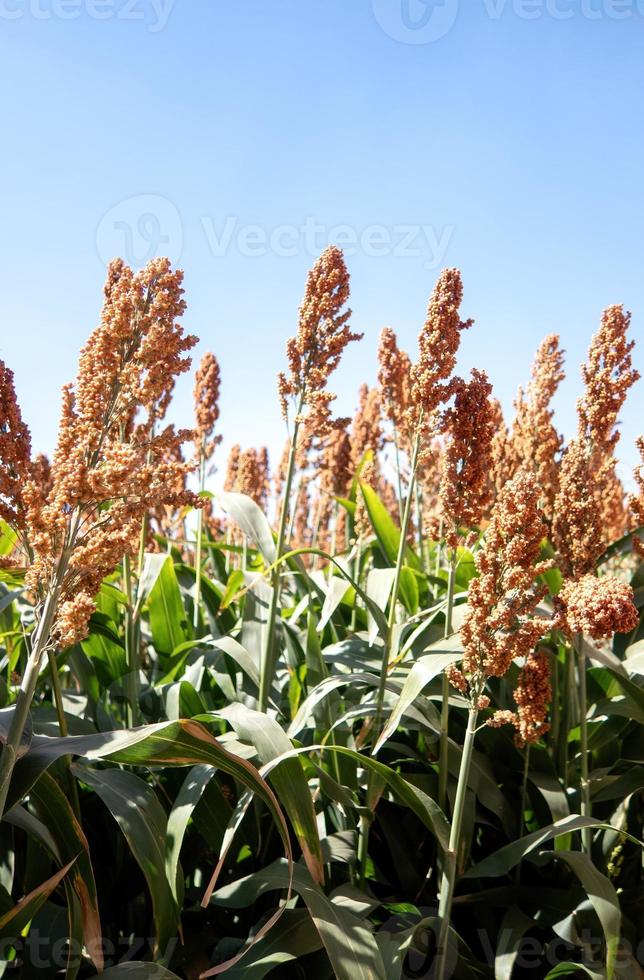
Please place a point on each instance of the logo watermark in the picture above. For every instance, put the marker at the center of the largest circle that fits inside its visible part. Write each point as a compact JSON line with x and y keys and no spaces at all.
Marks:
{"x":152,"y":14}
{"x":426,"y":21}
{"x":143,"y":227}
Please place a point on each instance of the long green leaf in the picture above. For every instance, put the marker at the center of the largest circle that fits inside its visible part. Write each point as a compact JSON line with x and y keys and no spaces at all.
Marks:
{"x":14,"y":921}
{"x":136,"y":809}
{"x":349,"y":944}
{"x":287,"y":778}
{"x":168,"y":620}
{"x":54,"y":809}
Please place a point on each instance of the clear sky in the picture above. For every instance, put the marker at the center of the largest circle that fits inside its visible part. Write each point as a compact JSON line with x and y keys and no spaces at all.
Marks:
{"x":505,"y":137}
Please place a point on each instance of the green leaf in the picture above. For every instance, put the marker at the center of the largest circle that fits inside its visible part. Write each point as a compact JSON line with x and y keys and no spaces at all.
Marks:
{"x":193,"y":788}
{"x":602,"y":897}
{"x":14,"y":921}
{"x":294,"y":936}
{"x":287,"y":778}
{"x":513,"y":928}
{"x":252,"y":520}
{"x":387,"y":533}
{"x":425,"y":808}
{"x":503,"y":860}
{"x":350,"y":945}
{"x":104,"y":649}
{"x":8,"y":538}
{"x":168,"y":621}
{"x":54,"y":809}
{"x":423,"y":671}
{"x":136,"y":809}
{"x":233,"y":586}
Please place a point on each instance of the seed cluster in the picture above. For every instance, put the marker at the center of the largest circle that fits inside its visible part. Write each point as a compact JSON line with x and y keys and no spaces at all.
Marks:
{"x":598,"y":606}
{"x":113,"y":464}
{"x":501,"y":624}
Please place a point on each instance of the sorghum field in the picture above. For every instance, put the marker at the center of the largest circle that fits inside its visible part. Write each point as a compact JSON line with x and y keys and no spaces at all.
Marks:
{"x":376,"y":713}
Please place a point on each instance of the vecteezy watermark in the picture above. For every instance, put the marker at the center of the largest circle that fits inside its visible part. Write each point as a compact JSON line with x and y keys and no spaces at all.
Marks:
{"x":423,"y":242}
{"x":425,"y":21}
{"x":415,"y":21}
{"x":414,"y":935}
{"x":152,"y":14}
{"x":143,"y":227}
{"x":42,"y":952}
{"x":139,"y":229}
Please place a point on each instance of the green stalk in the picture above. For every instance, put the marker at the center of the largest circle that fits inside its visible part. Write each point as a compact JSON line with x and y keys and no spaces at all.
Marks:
{"x":197,"y":599}
{"x":398,"y":473}
{"x":523,"y":805}
{"x":419,"y":523}
{"x":26,"y":693}
{"x":391,"y":620}
{"x":62,"y":726}
{"x":367,"y":819}
{"x":444,"y":735}
{"x":586,"y":834}
{"x":131,"y":679}
{"x":268,"y":659}
{"x":356,"y":578}
{"x":448,"y":881}
{"x":439,"y":548}
{"x":334,"y":535}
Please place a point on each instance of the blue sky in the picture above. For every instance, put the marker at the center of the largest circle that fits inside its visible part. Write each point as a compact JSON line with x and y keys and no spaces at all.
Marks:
{"x":240,"y":136}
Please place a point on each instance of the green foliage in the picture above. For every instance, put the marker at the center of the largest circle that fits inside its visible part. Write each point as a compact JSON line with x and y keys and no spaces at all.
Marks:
{"x":308,"y":840}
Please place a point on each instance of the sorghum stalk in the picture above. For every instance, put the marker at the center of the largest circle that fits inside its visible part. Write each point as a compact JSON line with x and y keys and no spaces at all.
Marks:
{"x":62,"y":725}
{"x":444,"y":734}
{"x":391,"y":620}
{"x":418,"y":508}
{"x":268,"y":659}
{"x":26,"y":693}
{"x":398,"y":472}
{"x":366,"y":819}
{"x":523,"y":804}
{"x":586,"y":834}
{"x":198,"y":546}
{"x":448,"y":881}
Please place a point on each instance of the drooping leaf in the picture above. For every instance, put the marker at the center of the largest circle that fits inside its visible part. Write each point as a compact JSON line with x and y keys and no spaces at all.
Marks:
{"x":288,"y":778}
{"x":252,"y":520}
{"x":349,"y":944}
{"x":136,"y":809}
{"x":55,"y":811}
{"x":14,"y":921}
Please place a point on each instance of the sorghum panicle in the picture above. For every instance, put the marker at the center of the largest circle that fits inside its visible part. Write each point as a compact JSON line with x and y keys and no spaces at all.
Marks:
{"x":468,"y":426}
{"x":536,"y":442}
{"x":598,"y":606}
{"x":110,"y":469}
{"x":206,"y":396}
{"x":322,"y":335}
{"x":501,"y":624}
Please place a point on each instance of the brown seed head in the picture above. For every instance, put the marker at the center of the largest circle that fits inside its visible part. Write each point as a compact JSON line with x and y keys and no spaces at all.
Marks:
{"x":366,"y":427}
{"x":501,"y":623}
{"x":469,"y":428}
{"x":536,"y":444}
{"x":636,"y":501}
{"x":438,"y":344}
{"x":323,"y":332}
{"x":577,"y":527}
{"x":15,"y":453}
{"x":607,"y":376}
{"x":109,"y":470}
{"x":394,"y":378}
{"x":206,"y":395}
{"x":598,"y":606}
